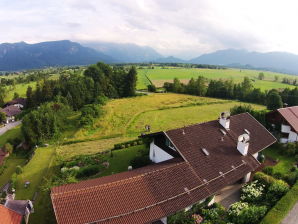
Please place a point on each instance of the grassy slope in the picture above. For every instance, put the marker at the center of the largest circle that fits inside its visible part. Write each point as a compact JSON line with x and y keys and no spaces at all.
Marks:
{"x":21,"y":89}
{"x":34,"y":171}
{"x":158,"y":76}
{"x":10,"y":134}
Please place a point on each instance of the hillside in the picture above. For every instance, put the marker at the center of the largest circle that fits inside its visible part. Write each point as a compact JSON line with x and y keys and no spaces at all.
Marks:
{"x":19,"y":56}
{"x":274,"y":61}
{"x":127,"y":52}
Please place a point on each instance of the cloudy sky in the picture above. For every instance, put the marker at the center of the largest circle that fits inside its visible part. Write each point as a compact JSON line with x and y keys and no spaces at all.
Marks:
{"x":184,"y":28}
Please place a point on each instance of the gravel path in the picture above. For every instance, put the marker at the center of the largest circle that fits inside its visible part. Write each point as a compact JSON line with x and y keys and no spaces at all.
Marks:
{"x":9,"y":126}
{"x":292,"y":217}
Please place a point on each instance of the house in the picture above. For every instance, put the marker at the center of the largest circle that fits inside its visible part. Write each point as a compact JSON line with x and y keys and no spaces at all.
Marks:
{"x":3,"y":155}
{"x":18,"y":102}
{"x":8,"y":216}
{"x":190,"y":164}
{"x":285,"y":120}
{"x":22,"y":207}
{"x":11,"y":112}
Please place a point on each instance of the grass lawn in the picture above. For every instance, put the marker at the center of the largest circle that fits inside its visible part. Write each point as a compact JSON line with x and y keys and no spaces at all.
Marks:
{"x":34,"y":172}
{"x":285,"y":162}
{"x":21,"y":89}
{"x":120,"y":160}
{"x":159,"y":75}
{"x":11,"y":163}
{"x":10,"y":134}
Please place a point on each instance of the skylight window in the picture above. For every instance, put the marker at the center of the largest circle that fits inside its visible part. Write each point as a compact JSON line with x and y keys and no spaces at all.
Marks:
{"x":223,"y":132}
{"x":205,"y":151}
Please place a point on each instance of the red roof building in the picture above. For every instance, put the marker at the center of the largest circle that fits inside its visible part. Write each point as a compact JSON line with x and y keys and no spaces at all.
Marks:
{"x":191,"y":163}
{"x":8,"y":216}
{"x":286,"y":120}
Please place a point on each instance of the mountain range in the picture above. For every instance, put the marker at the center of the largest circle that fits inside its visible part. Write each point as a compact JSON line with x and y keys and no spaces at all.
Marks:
{"x":21,"y":56}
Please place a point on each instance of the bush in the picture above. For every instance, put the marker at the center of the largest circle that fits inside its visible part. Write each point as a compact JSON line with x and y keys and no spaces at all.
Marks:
{"x":264,"y":179}
{"x":128,"y":144}
{"x":19,"y":170}
{"x":88,"y":171}
{"x":268,"y":170}
{"x":252,"y":192}
{"x":181,"y":218}
{"x":291,"y":178}
{"x":276,"y":191}
{"x":282,"y":207}
{"x":151,"y":88}
{"x":140,"y":161}
{"x":8,"y":148}
{"x":243,"y":213}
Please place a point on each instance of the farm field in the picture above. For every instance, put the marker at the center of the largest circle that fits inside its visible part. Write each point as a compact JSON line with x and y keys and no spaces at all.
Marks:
{"x":160,"y":75}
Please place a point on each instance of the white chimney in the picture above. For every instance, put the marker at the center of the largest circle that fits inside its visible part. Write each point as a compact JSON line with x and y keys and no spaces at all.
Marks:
{"x":224,"y":120}
{"x":243,"y":144}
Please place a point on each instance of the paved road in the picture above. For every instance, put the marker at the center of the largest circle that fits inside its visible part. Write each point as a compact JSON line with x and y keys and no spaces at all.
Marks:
{"x":292,"y":217}
{"x":9,"y":126}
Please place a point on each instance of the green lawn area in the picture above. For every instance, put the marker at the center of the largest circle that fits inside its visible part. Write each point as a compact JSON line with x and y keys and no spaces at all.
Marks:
{"x":34,"y":172}
{"x":160,"y":75}
{"x":11,"y":163}
{"x":10,"y":134}
{"x":285,"y":162}
{"x":21,"y":89}
{"x":120,"y":160}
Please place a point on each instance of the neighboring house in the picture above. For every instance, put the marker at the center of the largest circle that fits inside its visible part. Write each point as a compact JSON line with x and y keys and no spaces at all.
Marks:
{"x":3,"y":155}
{"x":22,"y":207}
{"x":18,"y":102}
{"x":11,"y":112}
{"x":191,"y":164}
{"x":286,"y":121}
{"x":8,"y":216}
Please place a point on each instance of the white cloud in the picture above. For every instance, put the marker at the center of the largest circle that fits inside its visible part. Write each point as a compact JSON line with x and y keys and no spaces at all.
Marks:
{"x":173,"y":27}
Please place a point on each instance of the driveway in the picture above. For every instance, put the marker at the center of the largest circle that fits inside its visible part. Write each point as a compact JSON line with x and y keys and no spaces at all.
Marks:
{"x":9,"y":126}
{"x":292,"y":216}
{"x":228,"y":195}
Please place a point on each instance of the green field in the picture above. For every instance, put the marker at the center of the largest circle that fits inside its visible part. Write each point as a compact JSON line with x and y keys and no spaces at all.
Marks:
{"x":21,"y":89}
{"x":10,"y":134}
{"x":160,"y":75}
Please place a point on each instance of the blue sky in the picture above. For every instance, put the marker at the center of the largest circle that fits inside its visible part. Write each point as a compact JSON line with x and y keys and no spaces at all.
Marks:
{"x":183,"y":28}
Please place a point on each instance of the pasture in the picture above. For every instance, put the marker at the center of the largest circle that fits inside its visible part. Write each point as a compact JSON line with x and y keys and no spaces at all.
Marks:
{"x":160,"y":75}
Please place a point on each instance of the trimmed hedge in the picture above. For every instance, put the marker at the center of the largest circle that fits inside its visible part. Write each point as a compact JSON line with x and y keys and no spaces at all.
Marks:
{"x":268,"y":180}
{"x":282,"y":207}
{"x":127,"y":144}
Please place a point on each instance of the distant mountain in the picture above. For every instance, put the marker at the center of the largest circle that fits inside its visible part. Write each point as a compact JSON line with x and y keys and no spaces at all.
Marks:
{"x":169,"y":59}
{"x":126,"y":53}
{"x":19,"y":56}
{"x":274,"y":61}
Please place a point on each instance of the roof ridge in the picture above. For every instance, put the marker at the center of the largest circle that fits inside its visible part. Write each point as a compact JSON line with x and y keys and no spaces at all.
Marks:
{"x":118,"y":181}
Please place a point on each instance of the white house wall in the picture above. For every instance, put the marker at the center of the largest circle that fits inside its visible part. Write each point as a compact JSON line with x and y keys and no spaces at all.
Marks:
{"x":285,"y":128}
{"x":292,"y":137}
{"x":158,"y":155}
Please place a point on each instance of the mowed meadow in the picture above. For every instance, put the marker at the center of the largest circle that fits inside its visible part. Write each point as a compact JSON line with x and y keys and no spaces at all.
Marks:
{"x":125,"y":119}
{"x":158,"y":76}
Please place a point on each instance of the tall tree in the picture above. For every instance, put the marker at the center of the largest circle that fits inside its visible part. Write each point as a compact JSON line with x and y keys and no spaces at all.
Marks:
{"x":274,"y":100}
{"x":131,"y":82}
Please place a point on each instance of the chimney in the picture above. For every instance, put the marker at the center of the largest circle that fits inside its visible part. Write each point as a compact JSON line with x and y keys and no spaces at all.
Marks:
{"x":224,"y":120}
{"x":243,"y":144}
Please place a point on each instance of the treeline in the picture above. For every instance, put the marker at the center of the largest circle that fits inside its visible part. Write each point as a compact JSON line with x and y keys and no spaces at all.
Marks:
{"x":227,"y":89}
{"x":78,"y":90}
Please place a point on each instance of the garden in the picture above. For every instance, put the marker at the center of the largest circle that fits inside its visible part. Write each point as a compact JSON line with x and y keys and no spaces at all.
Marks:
{"x":267,"y":199}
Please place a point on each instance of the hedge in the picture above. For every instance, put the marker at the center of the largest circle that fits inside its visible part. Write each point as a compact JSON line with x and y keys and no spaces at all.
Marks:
{"x":128,"y":144}
{"x":282,"y":207}
{"x":268,"y":180}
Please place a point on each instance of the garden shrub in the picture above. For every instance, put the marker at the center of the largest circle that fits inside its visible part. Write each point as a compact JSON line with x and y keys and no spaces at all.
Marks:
{"x":215,"y":214}
{"x":276,"y":191}
{"x":264,"y":178}
{"x":128,"y":144}
{"x":252,"y":192}
{"x":291,"y":178}
{"x":278,"y":175}
{"x":181,"y":218}
{"x":282,"y":207}
{"x":19,"y":170}
{"x":268,"y":170}
{"x":88,"y":171}
{"x":140,"y":161}
{"x":243,"y":213}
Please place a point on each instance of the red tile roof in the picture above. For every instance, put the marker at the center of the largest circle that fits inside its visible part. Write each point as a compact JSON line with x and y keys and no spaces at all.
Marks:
{"x":147,"y":194}
{"x":290,"y":114}
{"x":8,"y":216}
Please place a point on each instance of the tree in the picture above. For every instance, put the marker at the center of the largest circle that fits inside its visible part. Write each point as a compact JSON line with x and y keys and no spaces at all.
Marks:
{"x":276,"y":78}
{"x":8,"y":148}
{"x":274,"y":100}
{"x":2,"y":117}
{"x":151,"y":88}
{"x":131,"y":82}
{"x":30,"y":97}
{"x":261,"y":76}
{"x":19,"y":170}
